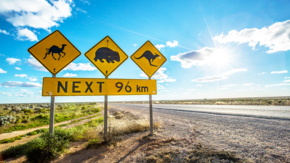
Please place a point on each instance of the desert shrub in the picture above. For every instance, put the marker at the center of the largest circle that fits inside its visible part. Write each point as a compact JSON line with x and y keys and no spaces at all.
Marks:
{"x":95,"y":110}
{"x":27,"y":111}
{"x":18,"y":121}
{"x":84,"y":108}
{"x":25,"y":120}
{"x":48,"y":146}
{"x":14,"y":151}
{"x":92,"y":142}
{"x":5,"y":120}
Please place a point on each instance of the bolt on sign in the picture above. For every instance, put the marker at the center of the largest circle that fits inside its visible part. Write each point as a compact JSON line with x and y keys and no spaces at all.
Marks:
{"x":148,"y":58}
{"x":106,"y":55}
{"x":54,"y":52}
{"x":97,"y":87}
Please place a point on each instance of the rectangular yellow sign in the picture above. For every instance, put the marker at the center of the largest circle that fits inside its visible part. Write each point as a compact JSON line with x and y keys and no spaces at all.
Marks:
{"x":97,"y":87}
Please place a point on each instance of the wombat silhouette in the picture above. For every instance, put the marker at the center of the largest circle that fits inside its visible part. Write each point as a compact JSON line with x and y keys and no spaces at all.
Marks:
{"x":107,"y":54}
{"x":149,"y":56}
{"x":55,"y":49}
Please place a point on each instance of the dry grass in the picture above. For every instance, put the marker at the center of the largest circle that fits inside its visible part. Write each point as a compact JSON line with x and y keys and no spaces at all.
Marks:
{"x":119,"y":125}
{"x":178,"y":150}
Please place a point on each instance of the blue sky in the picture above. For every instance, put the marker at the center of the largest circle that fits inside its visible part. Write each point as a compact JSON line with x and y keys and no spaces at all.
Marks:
{"x":214,"y":49}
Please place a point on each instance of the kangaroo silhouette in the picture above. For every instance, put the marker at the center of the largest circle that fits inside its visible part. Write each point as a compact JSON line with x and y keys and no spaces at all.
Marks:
{"x":55,"y":49}
{"x":149,"y":56}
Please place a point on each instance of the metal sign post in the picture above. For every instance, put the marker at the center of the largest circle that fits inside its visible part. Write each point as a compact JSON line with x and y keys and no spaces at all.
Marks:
{"x":54,"y":52}
{"x":106,"y":117}
{"x":151,"y":113}
{"x":52,"y":106}
{"x":149,"y":59}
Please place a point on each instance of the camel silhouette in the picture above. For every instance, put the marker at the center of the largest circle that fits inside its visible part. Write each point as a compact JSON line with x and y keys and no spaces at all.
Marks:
{"x":55,"y":49}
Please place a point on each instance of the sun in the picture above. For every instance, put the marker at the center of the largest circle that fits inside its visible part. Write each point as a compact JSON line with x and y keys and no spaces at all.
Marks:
{"x":220,"y":58}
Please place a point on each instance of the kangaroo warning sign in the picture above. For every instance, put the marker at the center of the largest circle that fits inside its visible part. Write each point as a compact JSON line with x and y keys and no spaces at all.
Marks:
{"x":54,"y":52}
{"x":148,"y":58}
{"x":97,"y":87}
{"x":106,"y":55}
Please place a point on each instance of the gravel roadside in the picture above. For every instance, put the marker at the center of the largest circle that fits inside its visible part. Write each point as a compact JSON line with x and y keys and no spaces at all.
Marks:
{"x":259,"y":139}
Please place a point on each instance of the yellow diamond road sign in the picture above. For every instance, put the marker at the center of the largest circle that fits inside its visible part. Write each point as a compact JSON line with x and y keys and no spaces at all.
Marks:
{"x":148,"y":58}
{"x":54,"y":52}
{"x":106,"y":55}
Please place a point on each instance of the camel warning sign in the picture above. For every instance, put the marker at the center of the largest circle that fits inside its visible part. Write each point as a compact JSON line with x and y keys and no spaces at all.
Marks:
{"x":148,"y":58}
{"x":106,"y":55}
{"x":54,"y":52}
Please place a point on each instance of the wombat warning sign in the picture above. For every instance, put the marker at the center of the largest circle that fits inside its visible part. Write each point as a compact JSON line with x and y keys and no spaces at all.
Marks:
{"x":106,"y":55}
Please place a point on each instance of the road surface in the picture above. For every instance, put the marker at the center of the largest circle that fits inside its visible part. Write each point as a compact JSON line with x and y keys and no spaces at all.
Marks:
{"x":260,"y":133}
{"x":279,"y":112}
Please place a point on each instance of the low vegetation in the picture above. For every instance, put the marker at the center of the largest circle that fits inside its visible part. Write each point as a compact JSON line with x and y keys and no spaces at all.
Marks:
{"x":183,"y":150}
{"x":48,"y":147}
{"x":13,"y":118}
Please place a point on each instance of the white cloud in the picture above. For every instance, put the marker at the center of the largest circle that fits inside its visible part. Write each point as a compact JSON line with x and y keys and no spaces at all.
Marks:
{"x":35,"y":64}
{"x":262,"y":73}
{"x":160,"y":76}
{"x":275,"y":37}
{"x":32,"y":79}
{"x":248,"y":84}
{"x":199,"y":85}
{"x":160,"y":46}
{"x":274,"y":85}
{"x":35,"y":13}
{"x":20,"y":84}
{"x":6,"y":93}
{"x":210,"y":79}
{"x":81,"y":10}
{"x":20,"y":75}
{"x":85,"y":1}
{"x":80,"y":67}
{"x":2,"y":71}
{"x":229,"y":85}
{"x":134,"y":44}
{"x":70,"y":75}
{"x":23,"y":90}
{"x":195,"y":57}
{"x":159,"y":86}
{"x":172,"y":44}
{"x":26,"y":34}
{"x":17,"y":68}
{"x":286,"y":81}
{"x":223,"y":88}
{"x":220,"y":77}
{"x":279,"y":72}
{"x":4,"y":32}
{"x":12,"y":61}
{"x":287,"y":78}
{"x":19,"y":95}
{"x":234,"y":71}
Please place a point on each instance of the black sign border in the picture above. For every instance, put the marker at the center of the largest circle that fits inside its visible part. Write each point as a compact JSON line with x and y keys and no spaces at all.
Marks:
{"x":43,"y":40}
{"x":142,"y":68}
{"x":96,"y":65}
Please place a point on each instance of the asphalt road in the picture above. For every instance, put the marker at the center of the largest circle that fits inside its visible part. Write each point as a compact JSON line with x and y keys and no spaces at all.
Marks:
{"x":275,"y":112}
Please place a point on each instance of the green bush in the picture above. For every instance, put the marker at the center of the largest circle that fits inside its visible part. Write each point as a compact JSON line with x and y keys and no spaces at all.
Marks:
{"x":48,"y":146}
{"x":14,"y":151}
{"x":18,"y":121}
{"x":25,"y":120}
